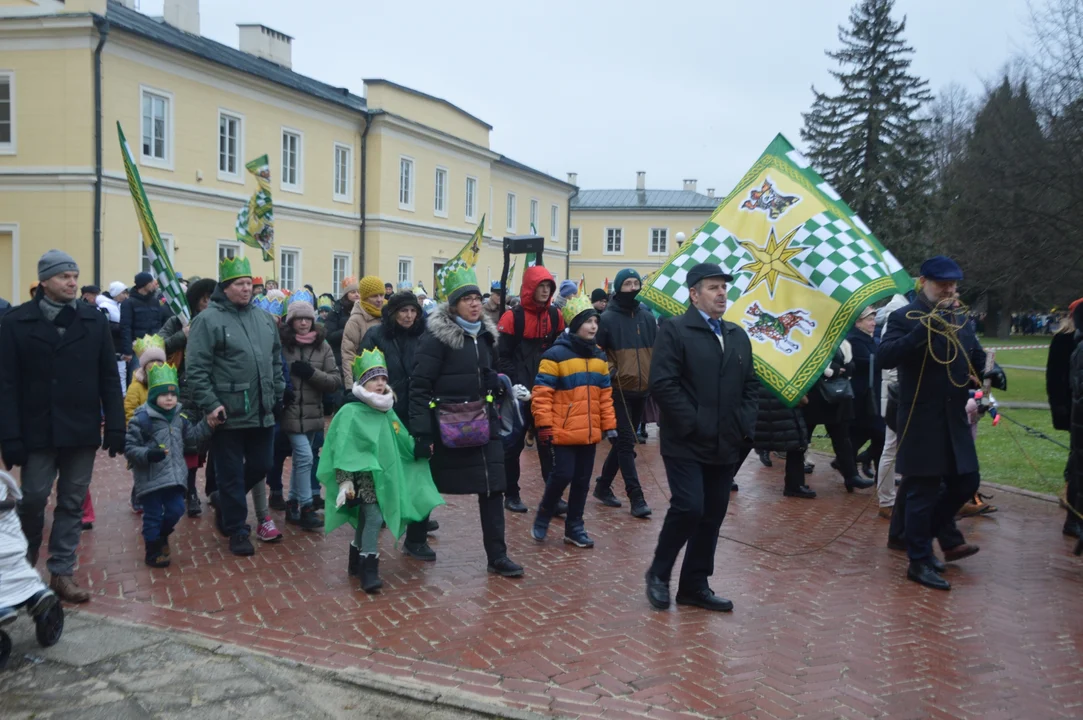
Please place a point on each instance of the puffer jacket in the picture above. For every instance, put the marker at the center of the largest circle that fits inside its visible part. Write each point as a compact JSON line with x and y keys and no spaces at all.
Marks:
{"x":136,"y":395}
{"x":627,"y":337}
{"x":141,"y":315}
{"x":177,"y":436}
{"x":335,"y":324}
{"x":572,"y":394}
{"x":360,"y":322}
{"x":234,"y":361}
{"x":779,"y":428}
{"x":305,"y":413}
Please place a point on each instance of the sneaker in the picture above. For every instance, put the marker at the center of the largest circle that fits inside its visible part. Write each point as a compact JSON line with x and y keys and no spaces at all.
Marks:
{"x":219,"y":516}
{"x":765,"y":457}
{"x":578,"y":537}
{"x":239,"y":544}
{"x":539,"y":530}
{"x":137,"y":507}
{"x":267,"y":532}
{"x":420,"y":551}
{"x":195,"y":508}
{"x":276,"y":501}
{"x":317,"y":502}
{"x":640,"y":508}
{"x":505,"y":567}
{"x":8,"y":615}
{"x":512,"y":503}
{"x":308,"y":520}
{"x":41,"y":602}
{"x":88,"y":526}
{"x":605,"y":496}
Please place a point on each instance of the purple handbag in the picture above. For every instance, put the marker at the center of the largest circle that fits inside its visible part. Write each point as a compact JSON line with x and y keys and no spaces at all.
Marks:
{"x":463,"y":425}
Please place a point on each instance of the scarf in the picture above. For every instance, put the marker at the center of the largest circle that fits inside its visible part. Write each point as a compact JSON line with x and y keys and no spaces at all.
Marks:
{"x":370,"y":309}
{"x":383,"y":402}
{"x":167,"y":414}
{"x":626,"y":300}
{"x":472,"y":328}
{"x":306,"y":338}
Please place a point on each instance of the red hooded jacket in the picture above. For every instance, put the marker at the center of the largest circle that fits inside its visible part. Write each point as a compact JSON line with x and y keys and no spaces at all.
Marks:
{"x":520,"y":355}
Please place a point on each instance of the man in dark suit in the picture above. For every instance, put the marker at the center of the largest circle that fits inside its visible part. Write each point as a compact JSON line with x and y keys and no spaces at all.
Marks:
{"x":707,"y":392}
{"x":936,"y":453}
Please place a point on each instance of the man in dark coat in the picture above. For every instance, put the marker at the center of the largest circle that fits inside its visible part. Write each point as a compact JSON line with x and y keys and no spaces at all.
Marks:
{"x":936,"y":453}
{"x":143,"y":313}
{"x":1058,"y":387}
{"x":58,"y":377}
{"x":706,"y":389}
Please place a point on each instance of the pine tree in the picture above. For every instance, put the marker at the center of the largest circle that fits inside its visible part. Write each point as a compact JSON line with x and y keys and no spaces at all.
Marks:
{"x":870,"y":141}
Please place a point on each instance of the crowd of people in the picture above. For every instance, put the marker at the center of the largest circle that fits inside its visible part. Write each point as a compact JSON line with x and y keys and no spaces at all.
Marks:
{"x":427,"y":400}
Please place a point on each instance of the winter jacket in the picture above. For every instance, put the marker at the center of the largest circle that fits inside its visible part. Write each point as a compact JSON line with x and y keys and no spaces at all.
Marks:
{"x":492,"y":311}
{"x":305,"y":413}
{"x":1074,"y":470}
{"x":359,"y":323}
{"x":141,"y":315}
{"x":707,"y":396}
{"x":521,"y":355}
{"x":234,"y":361}
{"x":137,"y":393}
{"x":819,"y":411}
{"x":866,"y":378}
{"x":56,"y":388}
{"x":779,"y":428}
{"x":335,"y":325}
{"x":572,"y":394}
{"x":5,"y":306}
{"x":176,"y":344}
{"x":1058,"y":387}
{"x":627,"y":337}
{"x":111,"y":309}
{"x":399,"y":346}
{"x":451,"y":366}
{"x":177,"y":436}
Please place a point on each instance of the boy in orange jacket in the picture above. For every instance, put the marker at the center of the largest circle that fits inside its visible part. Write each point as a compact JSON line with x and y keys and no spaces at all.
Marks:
{"x":573,"y":409}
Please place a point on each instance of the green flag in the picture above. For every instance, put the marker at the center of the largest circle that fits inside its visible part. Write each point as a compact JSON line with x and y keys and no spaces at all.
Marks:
{"x":256,"y":220}
{"x":464,"y":259}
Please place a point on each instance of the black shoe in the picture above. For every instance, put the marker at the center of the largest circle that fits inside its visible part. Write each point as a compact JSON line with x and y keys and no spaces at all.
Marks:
{"x":512,"y":503}
{"x":924,"y":574}
{"x":642,"y":437}
{"x":432,"y":526}
{"x":219,"y":516}
{"x":657,"y":592}
{"x":370,"y":573}
{"x":809,"y":467}
{"x":562,"y":509}
{"x":606,"y":496}
{"x":765,"y":457}
{"x":937,"y":565}
{"x":309,"y":520}
{"x":317,"y":502}
{"x":858,"y":483}
{"x":195,"y":508}
{"x":803,"y":491}
{"x":276,"y":501}
{"x":868,"y":470}
{"x":1072,"y":527}
{"x":505,"y":568}
{"x":734,"y":488}
{"x":419,"y":551}
{"x":353,"y":567}
{"x":88,"y":526}
{"x":293,"y":512}
{"x":239,"y":544}
{"x":896,"y":544}
{"x":640,"y":508}
{"x":705,"y":599}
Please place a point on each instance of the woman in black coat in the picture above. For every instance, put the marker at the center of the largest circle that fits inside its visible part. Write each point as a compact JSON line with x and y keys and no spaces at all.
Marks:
{"x":455,"y":362}
{"x":782,"y":429}
{"x":868,"y":423}
{"x":1062,"y":376}
{"x":836,"y":418}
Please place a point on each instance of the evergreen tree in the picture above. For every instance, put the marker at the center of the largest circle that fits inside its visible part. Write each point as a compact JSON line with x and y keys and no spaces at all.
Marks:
{"x":870,"y":141}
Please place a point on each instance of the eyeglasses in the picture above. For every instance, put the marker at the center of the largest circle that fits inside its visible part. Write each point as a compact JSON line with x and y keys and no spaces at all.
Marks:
{"x":471,"y":299}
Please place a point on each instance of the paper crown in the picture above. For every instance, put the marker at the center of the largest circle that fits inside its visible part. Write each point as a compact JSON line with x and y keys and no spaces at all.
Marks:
{"x":575,"y":305}
{"x":274,"y":302}
{"x":302,"y":296}
{"x":147,"y":342}
{"x":233,"y":268}
{"x":257,"y":280}
{"x":326,"y":302}
{"x":163,"y":377}
{"x":457,"y":276}
{"x":368,"y":365}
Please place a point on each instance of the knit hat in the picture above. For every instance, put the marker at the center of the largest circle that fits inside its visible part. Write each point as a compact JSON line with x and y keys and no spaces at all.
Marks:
{"x":568,"y":288}
{"x":370,"y":285}
{"x":577,"y":311}
{"x":142,"y":280}
{"x":55,"y":262}
{"x":148,"y":349}
{"x":300,"y":311}
{"x":400,"y":300}
{"x":623,"y":275}
{"x":598,"y":295}
{"x":161,"y":380}
{"x":117,"y":288}
{"x":349,"y":285}
{"x":368,"y":365}
{"x":90,"y":289}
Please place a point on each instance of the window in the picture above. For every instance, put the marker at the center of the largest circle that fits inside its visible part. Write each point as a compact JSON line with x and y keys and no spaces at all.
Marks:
{"x":406,"y":270}
{"x":511,"y":212}
{"x":659,"y":241}
{"x":406,"y":183}
{"x":554,"y":224}
{"x":340,"y":270}
{"x":471,"y":198}
{"x":291,"y":160}
{"x":343,"y":173}
{"x":145,"y":264}
{"x":439,"y":204}
{"x":614,"y":241}
{"x":7,"y":113}
{"x":229,"y":147}
{"x":574,"y":241}
{"x":533,"y":215}
{"x":226,"y":249}
{"x":289,"y":269}
{"x":157,"y":128}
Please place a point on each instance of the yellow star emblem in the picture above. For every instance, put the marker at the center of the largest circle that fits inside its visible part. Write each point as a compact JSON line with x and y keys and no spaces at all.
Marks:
{"x":773,"y":261}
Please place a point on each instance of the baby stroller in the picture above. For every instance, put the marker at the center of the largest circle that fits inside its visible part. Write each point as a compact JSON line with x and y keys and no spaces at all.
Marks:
{"x":20,"y":586}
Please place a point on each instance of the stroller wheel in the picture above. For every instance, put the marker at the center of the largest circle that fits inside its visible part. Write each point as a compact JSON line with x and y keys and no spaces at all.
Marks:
{"x":50,"y":626}
{"x":5,"y":649}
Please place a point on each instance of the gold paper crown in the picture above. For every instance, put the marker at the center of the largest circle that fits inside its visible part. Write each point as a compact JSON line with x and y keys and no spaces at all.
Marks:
{"x":147,"y":342}
{"x":367,"y":361}
{"x":575,"y":305}
{"x":163,"y":376}
{"x":233,"y":268}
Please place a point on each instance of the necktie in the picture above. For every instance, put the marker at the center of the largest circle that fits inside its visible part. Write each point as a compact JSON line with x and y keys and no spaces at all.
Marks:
{"x":716,"y":325}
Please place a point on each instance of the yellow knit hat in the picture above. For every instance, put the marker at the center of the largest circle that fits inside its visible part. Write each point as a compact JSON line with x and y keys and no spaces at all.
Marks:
{"x":370,"y":285}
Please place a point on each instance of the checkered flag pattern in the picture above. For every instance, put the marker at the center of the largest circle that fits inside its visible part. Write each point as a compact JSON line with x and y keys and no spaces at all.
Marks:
{"x":713,"y":244}
{"x":837,"y":261}
{"x":174,"y":293}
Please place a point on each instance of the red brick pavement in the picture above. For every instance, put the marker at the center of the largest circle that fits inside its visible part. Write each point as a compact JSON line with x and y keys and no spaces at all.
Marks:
{"x":831,"y":633}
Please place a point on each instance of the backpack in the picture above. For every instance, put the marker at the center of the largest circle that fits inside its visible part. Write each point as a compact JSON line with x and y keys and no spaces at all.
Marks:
{"x":518,"y":315}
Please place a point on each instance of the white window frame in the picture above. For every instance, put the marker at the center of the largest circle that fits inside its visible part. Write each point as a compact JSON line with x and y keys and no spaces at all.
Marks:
{"x":167,"y":240}
{"x":650,"y":241}
{"x":535,"y":210}
{"x":471,"y":199}
{"x":336,"y":282}
{"x":238,"y":250}
{"x":299,"y":185}
{"x":440,"y":199}
{"x":223,"y":175}
{"x":411,"y":183}
{"x":11,"y":147}
{"x":346,"y":197}
{"x":409,"y":261}
{"x":298,"y":281}
{"x":165,"y":163}
{"x":620,"y":239}
{"x":512,"y":208}
{"x":554,"y":223}
{"x":574,"y":244}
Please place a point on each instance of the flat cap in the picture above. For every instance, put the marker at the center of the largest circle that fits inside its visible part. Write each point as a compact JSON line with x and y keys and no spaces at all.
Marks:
{"x":704,"y":271}
{"x":941,"y":268}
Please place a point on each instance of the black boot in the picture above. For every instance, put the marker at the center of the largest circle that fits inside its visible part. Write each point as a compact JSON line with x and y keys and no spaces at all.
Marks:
{"x":353,"y":568}
{"x":195,"y":508}
{"x":604,"y":494}
{"x":370,"y":573}
{"x":154,"y":556}
{"x":276,"y":501}
{"x":640,"y":508}
{"x":1072,"y":526}
{"x":308,"y":519}
{"x":512,"y":503}
{"x":293,"y":512}
{"x":765,"y":457}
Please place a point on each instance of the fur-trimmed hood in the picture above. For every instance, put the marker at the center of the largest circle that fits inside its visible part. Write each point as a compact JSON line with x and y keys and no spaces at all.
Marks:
{"x":444,"y":328}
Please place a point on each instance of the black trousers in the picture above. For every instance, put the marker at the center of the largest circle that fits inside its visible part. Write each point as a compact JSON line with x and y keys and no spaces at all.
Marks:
{"x":572,"y":467}
{"x":512,"y":472}
{"x":699,"y":498}
{"x":795,"y":467}
{"x":491,"y":509}
{"x":868,"y":430}
{"x":845,"y":455}
{"x":925,"y":507}
{"x":242,"y":459}
{"x":622,"y":455}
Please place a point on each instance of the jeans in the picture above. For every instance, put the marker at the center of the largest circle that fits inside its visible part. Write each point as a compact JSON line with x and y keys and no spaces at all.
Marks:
{"x":926,"y":507}
{"x":885,"y":473}
{"x":572,"y":465}
{"x":242,"y":458}
{"x":71,"y":469}
{"x":301,"y":475}
{"x":629,"y":411}
{"x":162,"y":510}
{"x":282,"y":450}
{"x":700,"y":496}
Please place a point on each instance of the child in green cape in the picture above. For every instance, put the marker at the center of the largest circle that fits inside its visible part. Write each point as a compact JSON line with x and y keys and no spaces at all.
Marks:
{"x":368,"y":464}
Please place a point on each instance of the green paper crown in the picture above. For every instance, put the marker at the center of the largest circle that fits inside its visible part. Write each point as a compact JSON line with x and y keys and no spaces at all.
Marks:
{"x":458,"y":275}
{"x":367,"y":361}
{"x":233,"y":268}
{"x":162,"y":376}
{"x":147,"y":342}
{"x":575,"y":305}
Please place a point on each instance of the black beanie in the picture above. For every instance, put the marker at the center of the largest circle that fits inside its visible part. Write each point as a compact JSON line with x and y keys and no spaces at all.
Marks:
{"x":598,"y":295}
{"x":578,"y":320}
{"x":399,"y":300}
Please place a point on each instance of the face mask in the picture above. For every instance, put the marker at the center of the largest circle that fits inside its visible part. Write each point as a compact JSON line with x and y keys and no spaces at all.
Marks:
{"x":626,"y":300}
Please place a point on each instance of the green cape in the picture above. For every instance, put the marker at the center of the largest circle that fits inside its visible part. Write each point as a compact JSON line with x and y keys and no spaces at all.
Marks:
{"x":362,"y":439}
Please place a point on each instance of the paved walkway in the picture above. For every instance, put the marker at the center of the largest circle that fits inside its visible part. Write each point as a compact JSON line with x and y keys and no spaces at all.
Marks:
{"x":821,"y":628}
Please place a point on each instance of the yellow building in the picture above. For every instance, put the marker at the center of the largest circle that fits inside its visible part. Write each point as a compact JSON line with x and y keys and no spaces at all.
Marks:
{"x":390,"y":184}
{"x":615,"y":229}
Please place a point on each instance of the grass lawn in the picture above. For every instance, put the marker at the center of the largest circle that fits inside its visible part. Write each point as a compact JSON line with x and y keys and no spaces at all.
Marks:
{"x":1015,"y":340}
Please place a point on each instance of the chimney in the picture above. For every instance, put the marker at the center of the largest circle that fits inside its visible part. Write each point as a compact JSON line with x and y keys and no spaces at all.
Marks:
{"x":641,"y":180}
{"x":182,"y":14}
{"x":710,"y":193}
{"x":263,"y":42}
{"x":573,"y":178}
{"x":690,"y":185}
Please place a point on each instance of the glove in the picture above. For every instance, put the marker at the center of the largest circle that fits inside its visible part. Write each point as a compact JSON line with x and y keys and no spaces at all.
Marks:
{"x":521,"y":392}
{"x":288,"y":397}
{"x":345,"y":492}
{"x":544,"y":434}
{"x":611,"y":436}
{"x":491,"y":381}
{"x":156,"y":455}
{"x":302,"y":370}
{"x":114,"y":442}
{"x":14,"y":453}
{"x":423,"y":447}
{"x":278,"y":409}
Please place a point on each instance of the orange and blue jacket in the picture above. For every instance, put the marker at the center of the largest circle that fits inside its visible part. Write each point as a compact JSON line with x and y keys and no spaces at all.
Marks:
{"x":572,"y":394}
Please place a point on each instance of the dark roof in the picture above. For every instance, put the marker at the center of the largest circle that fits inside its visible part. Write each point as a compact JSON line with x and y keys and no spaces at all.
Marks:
{"x":643,"y":200}
{"x":505,"y":160}
{"x":132,"y":21}
{"x":453,"y":106}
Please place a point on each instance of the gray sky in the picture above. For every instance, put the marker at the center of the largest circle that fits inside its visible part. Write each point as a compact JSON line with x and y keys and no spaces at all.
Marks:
{"x":605,"y":88}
